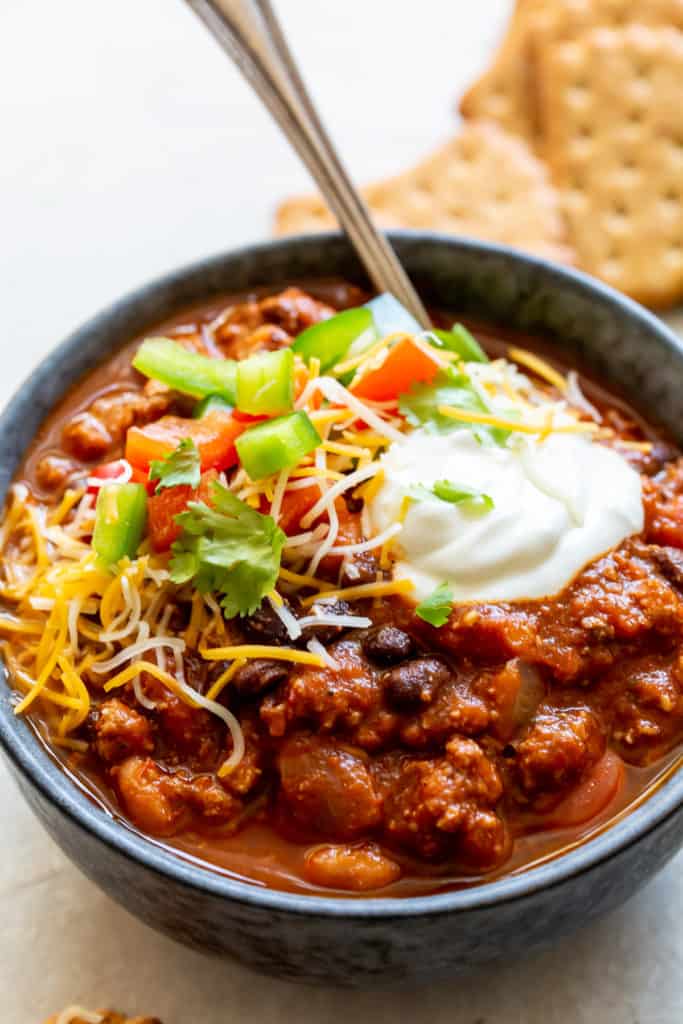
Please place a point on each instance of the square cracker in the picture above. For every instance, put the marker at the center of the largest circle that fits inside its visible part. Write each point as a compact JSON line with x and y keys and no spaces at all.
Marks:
{"x":504,"y":93}
{"x":565,"y":19}
{"x":610,"y":102}
{"x":483,"y":183}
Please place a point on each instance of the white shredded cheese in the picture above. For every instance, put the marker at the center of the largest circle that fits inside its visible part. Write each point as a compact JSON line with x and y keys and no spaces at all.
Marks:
{"x":288,"y":620}
{"x":339,"y":487}
{"x":136,"y":650}
{"x":576,"y":397}
{"x":315,"y":647}
{"x":367,"y":545}
{"x":343,"y":621}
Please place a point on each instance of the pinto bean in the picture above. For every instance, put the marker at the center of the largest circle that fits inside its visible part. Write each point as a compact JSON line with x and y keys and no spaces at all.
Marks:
{"x":354,"y":867}
{"x":415,"y":682}
{"x":387,"y":645}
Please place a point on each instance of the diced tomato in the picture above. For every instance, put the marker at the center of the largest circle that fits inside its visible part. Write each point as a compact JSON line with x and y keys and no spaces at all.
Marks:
{"x":141,"y":476}
{"x":406,"y":364}
{"x":162,"y":508}
{"x":591,"y":796}
{"x":118,"y":470}
{"x":214,"y":435}
{"x":246,"y":418}
{"x":295,"y":505}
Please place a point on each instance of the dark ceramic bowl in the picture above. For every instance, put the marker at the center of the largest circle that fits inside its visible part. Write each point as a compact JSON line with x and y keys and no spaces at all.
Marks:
{"x":362,"y":941}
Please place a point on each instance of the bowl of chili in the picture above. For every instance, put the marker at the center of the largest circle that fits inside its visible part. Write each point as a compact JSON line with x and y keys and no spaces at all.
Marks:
{"x":418,"y":834}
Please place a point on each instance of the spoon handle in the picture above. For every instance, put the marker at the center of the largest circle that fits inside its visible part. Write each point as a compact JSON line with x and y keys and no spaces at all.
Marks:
{"x":249,"y":32}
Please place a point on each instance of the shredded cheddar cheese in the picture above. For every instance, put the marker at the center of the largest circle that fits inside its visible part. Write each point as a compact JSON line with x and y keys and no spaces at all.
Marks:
{"x":491,"y":420}
{"x":538,"y":366}
{"x":379,"y":589}
{"x":261,"y":651}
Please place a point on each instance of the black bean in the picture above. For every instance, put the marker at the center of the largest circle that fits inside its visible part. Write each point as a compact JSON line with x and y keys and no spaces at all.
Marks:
{"x":265,"y":627}
{"x":415,"y":682}
{"x":361,"y":568}
{"x":259,"y":675}
{"x":387,"y":645}
{"x":326,"y":634}
{"x":196,"y":670}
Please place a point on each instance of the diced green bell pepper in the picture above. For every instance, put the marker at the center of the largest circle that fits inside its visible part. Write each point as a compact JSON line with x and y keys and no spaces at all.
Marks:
{"x":265,"y":383}
{"x":210,"y":404}
{"x":460,"y":341}
{"x":190,"y":372}
{"x":330,"y":340}
{"x":120,"y":516}
{"x":276,"y":444}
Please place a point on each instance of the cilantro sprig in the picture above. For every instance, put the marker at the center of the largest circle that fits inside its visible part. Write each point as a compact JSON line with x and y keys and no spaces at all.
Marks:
{"x":182,"y":466}
{"x":436,"y":608}
{"x":228,"y":549}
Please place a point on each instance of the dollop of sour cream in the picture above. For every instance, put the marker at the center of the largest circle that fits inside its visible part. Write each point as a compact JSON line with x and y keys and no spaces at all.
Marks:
{"x":558,"y":504}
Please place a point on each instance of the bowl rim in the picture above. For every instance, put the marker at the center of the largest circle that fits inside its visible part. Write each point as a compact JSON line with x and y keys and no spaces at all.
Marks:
{"x":30,"y":757}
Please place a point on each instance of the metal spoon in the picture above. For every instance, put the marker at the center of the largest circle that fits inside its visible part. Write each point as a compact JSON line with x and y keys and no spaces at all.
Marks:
{"x":249,"y":32}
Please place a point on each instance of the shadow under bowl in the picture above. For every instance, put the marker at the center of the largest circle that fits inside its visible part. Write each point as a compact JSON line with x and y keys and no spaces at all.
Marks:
{"x":358,"y":942}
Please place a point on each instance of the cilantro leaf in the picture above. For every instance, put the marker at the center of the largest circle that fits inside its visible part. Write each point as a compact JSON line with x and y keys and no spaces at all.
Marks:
{"x":182,"y":466}
{"x":459,"y":494}
{"x":436,"y":608}
{"x":456,"y":494}
{"x":450,"y":387}
{"x":229,"y":549}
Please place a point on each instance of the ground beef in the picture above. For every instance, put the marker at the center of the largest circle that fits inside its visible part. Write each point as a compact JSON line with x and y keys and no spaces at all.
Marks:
{"x":556,"y":752}
{"x":294,"y":310}
{"x":268,"y":323}
{"x":53,"y":472}
{"x":663,"y":500}
{"x":329,"y":697}
{"x":100,"y":430}
{"x":443,"y":808}
{"x":642,"y":697}
{"x":120,"y":731}
{"x":186,"y":736}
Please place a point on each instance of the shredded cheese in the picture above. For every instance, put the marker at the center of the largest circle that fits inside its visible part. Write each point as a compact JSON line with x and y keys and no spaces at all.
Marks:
{"x":490,"y":419}
{"x":317,"y":649}
{"x":538,"y":366}
{"x":225,"y":677}
{"x":299,"y":580}
{"x":259,"y":651}
{"x":379,"y":589}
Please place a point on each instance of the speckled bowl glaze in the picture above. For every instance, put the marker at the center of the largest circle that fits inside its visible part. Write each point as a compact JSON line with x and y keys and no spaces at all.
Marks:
{"x":363,"y":941}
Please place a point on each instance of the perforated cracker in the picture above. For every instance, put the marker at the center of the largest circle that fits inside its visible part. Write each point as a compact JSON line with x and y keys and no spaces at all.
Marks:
{"x":611,"y":108}
{"x":562,"y":20}
{"x":484,"y":184}
{"x":504,"y":93}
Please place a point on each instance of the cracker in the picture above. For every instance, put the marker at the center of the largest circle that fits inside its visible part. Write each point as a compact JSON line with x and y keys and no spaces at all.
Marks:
{"x":562,"y":20}
{"x":484,"y":184}
{"x":610,"y":103}
{"x":503,"y":94}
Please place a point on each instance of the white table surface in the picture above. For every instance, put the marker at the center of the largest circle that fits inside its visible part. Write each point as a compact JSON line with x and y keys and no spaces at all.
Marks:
{"x":129,"y":146}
